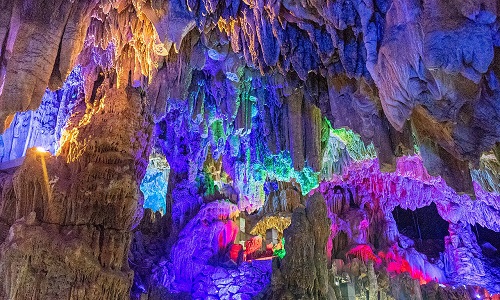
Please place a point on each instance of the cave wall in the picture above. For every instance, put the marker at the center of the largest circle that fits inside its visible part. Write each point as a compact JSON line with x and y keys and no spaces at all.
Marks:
{"x":240,"y":95}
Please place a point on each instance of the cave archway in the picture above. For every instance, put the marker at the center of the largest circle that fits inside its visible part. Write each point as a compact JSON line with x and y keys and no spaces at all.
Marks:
{"x":425,"y":226}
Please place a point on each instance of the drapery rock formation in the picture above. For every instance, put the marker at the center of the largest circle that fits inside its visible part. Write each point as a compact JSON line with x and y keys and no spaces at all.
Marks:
{"x":345,"y":121}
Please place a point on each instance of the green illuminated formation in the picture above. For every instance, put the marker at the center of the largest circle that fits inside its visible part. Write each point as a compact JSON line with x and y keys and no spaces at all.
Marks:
{"x":209,"y":184}
{"x":339,"y":147}
{"x":280,"y":252}
{"x":355,"y":146}
{"x":218,"y":130}
{"x":280,"y":167}
{"x":334,"y":152}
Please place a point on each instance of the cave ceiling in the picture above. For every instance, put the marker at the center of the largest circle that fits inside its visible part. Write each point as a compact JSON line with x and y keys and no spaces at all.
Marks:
{"x":275,"y":109}
{"x":393,"y":72}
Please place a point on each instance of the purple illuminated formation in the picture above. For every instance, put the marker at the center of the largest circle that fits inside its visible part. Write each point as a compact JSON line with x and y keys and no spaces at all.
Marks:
{"x":44,"y":126}
{"x":361,"y":203}
{"x":269,"y":150}
{"x":200,"y":261}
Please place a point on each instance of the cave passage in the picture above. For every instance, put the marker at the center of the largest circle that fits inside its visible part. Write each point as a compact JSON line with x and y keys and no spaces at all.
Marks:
{"x":487,"y":236}
{"x":425,"y":226}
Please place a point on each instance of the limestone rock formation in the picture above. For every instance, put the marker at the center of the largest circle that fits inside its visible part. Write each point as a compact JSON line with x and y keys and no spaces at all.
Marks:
{"x":74,"y":211}
{"x":335,"y":124}
{"x":32,"y":36}
{"x":307,"y":234}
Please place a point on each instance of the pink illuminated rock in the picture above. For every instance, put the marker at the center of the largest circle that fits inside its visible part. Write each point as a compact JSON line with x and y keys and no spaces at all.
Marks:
{"x":411,"y":187}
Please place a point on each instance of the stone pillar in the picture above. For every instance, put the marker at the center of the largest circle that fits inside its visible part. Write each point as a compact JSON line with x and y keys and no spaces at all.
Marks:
{"x":305,"y":245}
{"x":74,"y":211}
{"x":372,"y":280}
{"x":295,"y":129}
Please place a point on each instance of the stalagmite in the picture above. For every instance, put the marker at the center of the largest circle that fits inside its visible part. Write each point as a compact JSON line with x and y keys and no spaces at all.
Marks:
{"x":320,"y":149}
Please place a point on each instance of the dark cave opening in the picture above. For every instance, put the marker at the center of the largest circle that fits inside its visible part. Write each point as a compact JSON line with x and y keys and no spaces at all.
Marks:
{"x":487,"y":238}
{"x":425,"y":226}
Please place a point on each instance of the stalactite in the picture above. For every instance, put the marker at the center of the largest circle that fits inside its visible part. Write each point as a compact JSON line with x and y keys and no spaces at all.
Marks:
{"x":263,"y":104}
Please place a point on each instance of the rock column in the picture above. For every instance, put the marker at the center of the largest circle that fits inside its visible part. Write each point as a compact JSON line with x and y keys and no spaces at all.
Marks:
{"x":73,"y":212}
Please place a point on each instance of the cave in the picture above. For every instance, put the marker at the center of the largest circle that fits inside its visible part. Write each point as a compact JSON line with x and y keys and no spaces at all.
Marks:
{"x":487,"y":238}
{"x":184,"y":149}
{"x":425,"y":226}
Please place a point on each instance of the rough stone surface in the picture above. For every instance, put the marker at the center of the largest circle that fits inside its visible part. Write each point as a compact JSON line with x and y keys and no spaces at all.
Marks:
{"x":74,"y":211}
{"x":253,"y":103}
{"x":307,"y":234}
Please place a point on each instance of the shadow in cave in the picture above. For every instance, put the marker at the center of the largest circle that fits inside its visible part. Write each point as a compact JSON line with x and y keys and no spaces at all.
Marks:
{"x":425,"y":226}
{"x":340,"y":243}
{"x":488,"y":239}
